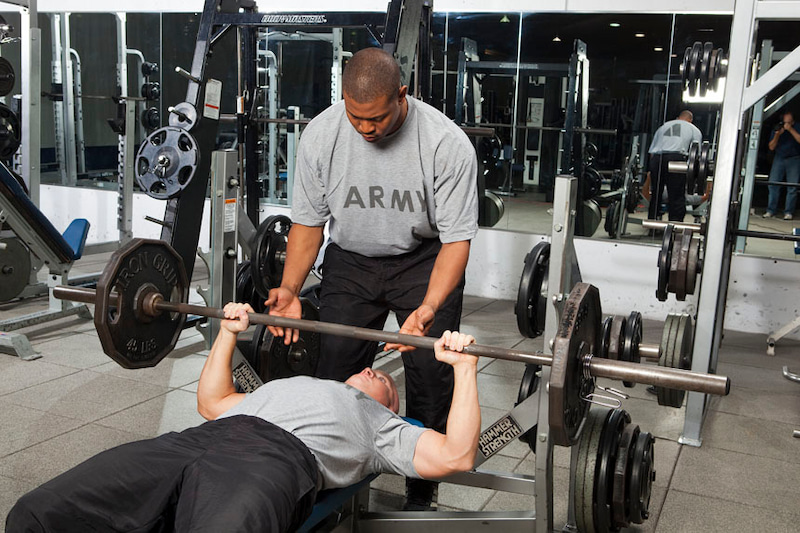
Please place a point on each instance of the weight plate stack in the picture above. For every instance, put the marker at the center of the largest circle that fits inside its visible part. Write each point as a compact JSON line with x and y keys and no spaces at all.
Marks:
{"x":531,"y":302}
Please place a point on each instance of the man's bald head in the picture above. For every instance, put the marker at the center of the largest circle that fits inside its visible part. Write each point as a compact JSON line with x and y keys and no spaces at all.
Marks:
{"x":686,"y":115}
{"x":371,"y":74}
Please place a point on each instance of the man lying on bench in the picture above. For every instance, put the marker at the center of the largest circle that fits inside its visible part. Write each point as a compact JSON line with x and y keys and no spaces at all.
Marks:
{"x":259,"y":462}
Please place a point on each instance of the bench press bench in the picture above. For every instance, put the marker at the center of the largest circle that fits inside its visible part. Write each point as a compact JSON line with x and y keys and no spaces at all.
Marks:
{"x":50,"y":248}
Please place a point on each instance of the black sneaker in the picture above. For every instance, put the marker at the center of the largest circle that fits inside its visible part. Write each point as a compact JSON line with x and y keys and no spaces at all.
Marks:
{"x":652,"y":389}
{"x":421,"y":495}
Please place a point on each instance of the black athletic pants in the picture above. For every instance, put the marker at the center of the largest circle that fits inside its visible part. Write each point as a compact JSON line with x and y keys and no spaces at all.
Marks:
{"x":675,"y":182}
{"x":235,"y":474}
{"x":360,"y":291}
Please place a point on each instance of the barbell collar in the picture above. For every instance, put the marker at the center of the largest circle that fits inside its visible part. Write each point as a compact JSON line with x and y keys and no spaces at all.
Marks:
{"x":618,"y":370}
{"x":650,"y":351}
{"x":660,"y":224}
{"x":678,"y":167}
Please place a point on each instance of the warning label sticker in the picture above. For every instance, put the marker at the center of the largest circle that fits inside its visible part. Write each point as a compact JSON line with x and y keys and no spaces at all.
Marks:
{"x":496,"y":436}
{"x":213,"y":98}
{"x":229,"y":222}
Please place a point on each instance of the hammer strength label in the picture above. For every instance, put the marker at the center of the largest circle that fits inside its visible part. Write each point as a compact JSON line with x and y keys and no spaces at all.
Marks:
{"x":294,"y":19}
{"x":495,"y":437}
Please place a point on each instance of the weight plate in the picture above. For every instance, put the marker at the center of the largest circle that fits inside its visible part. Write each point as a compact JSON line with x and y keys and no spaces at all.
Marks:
{"x":665,"y":359}
{"x":720,"y":68}
{"x":273,"y":359}
{"x":704,"y":68}
{"x":578,"y":334}
{"x":587,"y":467}
{"x":312,"y":294}
{"x":605,"y":338}
{"x":617,"y":340}
{"x":687,"y":56}
{"x":692,"y":265}
{"x":131,"y":338}
{"x":532,"y":293}
{"x":245,"y":292}
{"x":664,"y":264}
{"x":151,"y":90}
{"x":15,"y":268}
{"x":703,"y":167}
{"x":166,"y":162}
{"x":633,"y":336}
{"x":270,"y":253}
{"x":713,"y":59}
{"x":527,"y":387}
{"x":692,"y":162}
{"x":7,"y":77}
{"x":694,"y":66}
{"x":592,"y":216}
{"x":681,"y":355}
{"x":494,"y":209}
{"x":592,"y":183}
{"x":151,"y":118}
{"x":632,"y":197}
{"x":606,"y":461}
{"x":10,"y":132}
{"x":622,"y":469}
{"x":187,"y":117}
{"x":674,"y":257}
{"x":610,"y":224}
{"x":642,"y":476}
{"x":683,"y":264}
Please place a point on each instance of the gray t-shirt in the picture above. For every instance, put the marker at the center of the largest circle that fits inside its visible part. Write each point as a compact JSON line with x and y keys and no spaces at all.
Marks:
{"x":383,"y":198}
{"x":350,"y":434}
{"x":675,"y":136}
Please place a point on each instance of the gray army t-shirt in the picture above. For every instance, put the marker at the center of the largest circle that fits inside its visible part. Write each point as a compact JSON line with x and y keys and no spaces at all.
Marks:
{"x":350,"y":434}
{"x":382,"y":198}
{"x":675,"y":136}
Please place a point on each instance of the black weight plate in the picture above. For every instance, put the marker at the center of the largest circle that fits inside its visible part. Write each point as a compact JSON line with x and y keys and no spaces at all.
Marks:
{"x":312,"y":294}
{"x":494,"y":209}
{"x":692,"y":162}
{"x":15,"y":268}
{"x":605,"y":338}
{"x":617,"y":337}
{"x":664,"y":264}
{"x":606,"y":461}
{"x":586,"y":468}
{"x":610,"y":224}
{"x":632,"y":197}
{"x":642,"y":476}
{"x":166,"y":162}
{"x":694,"y":66}
{"x":720,"y":68}
{"x":703,"y":167}
{"x":633,"y":336}
{"x":578,"y":334}
{"x":622,"y":468}
{"x":592,"y":183}
{"x":684,"y":68}
{"x":131,"y":338}
{"x":532,"y":293}
{"x":245,"y":292}
{"x":151,"y":118}
{"x":273,"y":359}
{"x":270,"y":252}
{"x":705,"y":64}
{"x":7,"y":77}
{"x":10,"y":132}
{"x":527,"y":387}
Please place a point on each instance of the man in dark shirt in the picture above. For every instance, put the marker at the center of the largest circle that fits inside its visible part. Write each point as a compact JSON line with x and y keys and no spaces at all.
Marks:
{"x":785,"y":142}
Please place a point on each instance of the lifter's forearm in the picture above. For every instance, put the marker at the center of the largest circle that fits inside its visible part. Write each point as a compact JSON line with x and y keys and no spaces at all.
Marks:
{"x":301,"y":252}
{"x":215,"y":391}
{"x":451,"y":262}
{"x":464,"y":419}
{"x":773,"y":143}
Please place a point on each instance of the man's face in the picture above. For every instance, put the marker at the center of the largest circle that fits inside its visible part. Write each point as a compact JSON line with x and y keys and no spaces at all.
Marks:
{"x":377,"y":119}
{"x":788,"y":121}
{"x":379,"y":385}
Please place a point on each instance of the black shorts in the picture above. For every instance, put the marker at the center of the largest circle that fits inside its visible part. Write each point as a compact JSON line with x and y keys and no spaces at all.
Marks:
{"x":235,"y":474}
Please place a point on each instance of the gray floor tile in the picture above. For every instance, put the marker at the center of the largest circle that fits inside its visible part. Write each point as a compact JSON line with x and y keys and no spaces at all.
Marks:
{"x":46,"y":460}
{"x":18,"y":375}
{"x":75,"y":351}
{"x":749,"y":356}
{"x":497,"y":391}
{"x":174,"y":411}
{"x":737,"y":477}
{"x":766,"y":404}
{"x":10,"y":491}
{"x":191,"y":387}
{"x":752,"y":436}
{"x":181,"y":367}
{"x":85,"y":395}
{"x":473,"y":303}
{"x":463,"y":498}
{"x":380,"y":501}
{"x":24,"y":427}
{"x":749,"y":377}
{"x":663,"y":422}
{"x":689,"y":513}
{"x":510,"y":369}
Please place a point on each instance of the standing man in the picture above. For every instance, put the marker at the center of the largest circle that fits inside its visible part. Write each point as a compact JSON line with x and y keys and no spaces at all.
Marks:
{"x":671,"y":143}
{"x":785,"y":142}
{"x":397,"y":180}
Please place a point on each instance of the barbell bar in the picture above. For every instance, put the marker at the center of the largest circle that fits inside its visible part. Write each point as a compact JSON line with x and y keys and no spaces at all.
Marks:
{"x":153,"y":304}
{"x":661,"y":225}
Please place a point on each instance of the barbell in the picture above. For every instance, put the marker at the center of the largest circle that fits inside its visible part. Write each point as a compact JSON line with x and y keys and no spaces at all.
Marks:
{"x":140,"y":308}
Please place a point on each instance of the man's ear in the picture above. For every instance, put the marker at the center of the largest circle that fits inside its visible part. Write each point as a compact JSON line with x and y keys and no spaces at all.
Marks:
{"x":401,"y":94}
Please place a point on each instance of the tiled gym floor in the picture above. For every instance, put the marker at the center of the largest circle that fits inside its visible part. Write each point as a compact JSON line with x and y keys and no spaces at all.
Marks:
{"x":75,"y":402}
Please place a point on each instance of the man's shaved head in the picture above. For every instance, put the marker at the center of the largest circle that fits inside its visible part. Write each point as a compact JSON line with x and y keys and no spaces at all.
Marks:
{"x":371,"y":74}
{"x":686,"y":115}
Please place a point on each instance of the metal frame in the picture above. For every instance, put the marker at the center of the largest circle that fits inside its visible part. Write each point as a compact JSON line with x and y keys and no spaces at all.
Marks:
{"x":740,"y":96}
